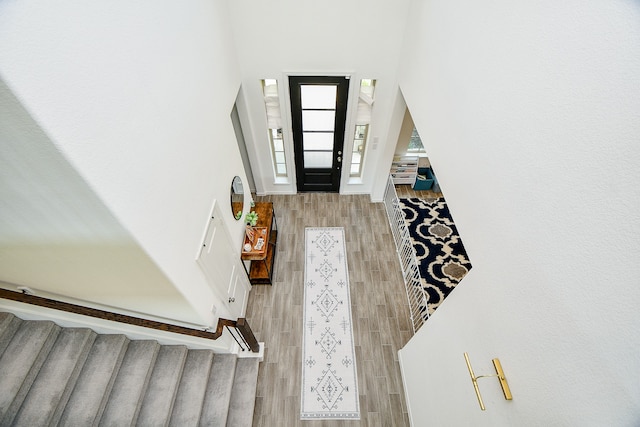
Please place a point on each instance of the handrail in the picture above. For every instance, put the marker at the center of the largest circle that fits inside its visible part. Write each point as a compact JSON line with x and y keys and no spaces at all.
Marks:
{"x":30,"y":290}
{"x":240,"y":325}
{"x":245,"y":334}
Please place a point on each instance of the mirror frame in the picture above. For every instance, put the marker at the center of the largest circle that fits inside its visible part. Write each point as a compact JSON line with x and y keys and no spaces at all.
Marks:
{"x":237,"y":198}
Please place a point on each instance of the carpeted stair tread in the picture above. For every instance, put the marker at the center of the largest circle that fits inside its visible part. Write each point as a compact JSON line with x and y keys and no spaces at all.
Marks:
{"x":9,"y":324}
{"x":74,"y":377}
{"x":190,"y":395}
{"x":52,"y":387}
{"x":131,"y":382}
{"x":163,"y":386}
{"x":20,"y":363}
{"x":89,"y":397}
{"x":243,"y":394}
{"x":216,"y":401}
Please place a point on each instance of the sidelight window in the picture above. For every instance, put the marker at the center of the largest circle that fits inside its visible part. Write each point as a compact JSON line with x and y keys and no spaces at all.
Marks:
{"x":363,"y":119}
{"x":274,"y":124}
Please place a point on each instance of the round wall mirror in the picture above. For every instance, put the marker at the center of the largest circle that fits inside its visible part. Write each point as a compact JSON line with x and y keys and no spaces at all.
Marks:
{"x":237,"y":197}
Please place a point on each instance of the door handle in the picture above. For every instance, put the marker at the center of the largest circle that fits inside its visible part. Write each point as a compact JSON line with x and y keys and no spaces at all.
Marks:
{"x":232,"y":300}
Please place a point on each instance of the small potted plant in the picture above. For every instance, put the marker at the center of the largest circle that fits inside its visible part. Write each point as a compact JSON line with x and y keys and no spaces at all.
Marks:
{"x":251,"y":218}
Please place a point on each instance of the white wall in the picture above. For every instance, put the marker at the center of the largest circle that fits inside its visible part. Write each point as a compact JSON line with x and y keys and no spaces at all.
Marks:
{"x":57,"y":236}
{"x":404,"y":138}
{"x":530,"y":112}
{"x":137,"y":96}
{"x":277,"y":39}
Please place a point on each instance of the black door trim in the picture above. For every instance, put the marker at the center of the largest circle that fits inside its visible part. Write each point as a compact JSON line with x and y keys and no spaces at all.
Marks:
{"x":319,"y":179}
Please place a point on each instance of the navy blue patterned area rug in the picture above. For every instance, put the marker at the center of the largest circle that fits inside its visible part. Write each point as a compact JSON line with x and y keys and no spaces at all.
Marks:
{"x":441,"y":257}
{"x":329,"y":379}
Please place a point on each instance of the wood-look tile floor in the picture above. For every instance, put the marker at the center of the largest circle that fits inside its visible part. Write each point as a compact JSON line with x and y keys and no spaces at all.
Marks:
{"x":380,"y":313}
{"x":405,"y":191}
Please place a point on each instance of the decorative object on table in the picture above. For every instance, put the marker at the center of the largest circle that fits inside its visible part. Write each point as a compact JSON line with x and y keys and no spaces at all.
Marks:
{"x":251,"y":218}
{"x":329,"y":374}
{"x":259,"y":243}
{"x":254,"y":240}
{"x":250,"y":233}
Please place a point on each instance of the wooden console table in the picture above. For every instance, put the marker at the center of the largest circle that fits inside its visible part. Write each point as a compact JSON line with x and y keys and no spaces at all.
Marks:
{"x":259,"y":263}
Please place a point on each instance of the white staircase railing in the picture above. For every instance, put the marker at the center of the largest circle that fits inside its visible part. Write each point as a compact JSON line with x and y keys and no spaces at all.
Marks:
{"x":407,"y":256}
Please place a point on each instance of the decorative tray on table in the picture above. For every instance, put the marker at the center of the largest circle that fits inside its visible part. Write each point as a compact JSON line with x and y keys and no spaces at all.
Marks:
{"x":255,"y":244}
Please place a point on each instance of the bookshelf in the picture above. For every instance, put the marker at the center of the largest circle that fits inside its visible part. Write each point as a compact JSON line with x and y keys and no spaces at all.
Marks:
{"x":404,"y":169}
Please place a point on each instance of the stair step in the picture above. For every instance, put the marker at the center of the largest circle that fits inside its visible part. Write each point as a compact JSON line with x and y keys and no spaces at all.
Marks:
{"x":243,"y":393}
{"x":52,"y":387}
{"x":195,"y":376}
{"x":9,"y":324}
{"x":74,"y":377}
{"x":20,"y":363}
{"x":89,"y":397}
{"x":216,"y":400}
{"x":131,"y":382}
{"x":163,"y":386}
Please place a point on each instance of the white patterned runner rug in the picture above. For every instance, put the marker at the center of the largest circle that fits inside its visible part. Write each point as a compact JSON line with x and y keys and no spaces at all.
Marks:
{"x":329,"y":380}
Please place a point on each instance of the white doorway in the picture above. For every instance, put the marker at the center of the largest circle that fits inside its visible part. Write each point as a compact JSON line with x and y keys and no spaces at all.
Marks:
{"x":222,"y":266}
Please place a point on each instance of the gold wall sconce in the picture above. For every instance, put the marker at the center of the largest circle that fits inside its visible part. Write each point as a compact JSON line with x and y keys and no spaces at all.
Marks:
{"x":499,"y":374}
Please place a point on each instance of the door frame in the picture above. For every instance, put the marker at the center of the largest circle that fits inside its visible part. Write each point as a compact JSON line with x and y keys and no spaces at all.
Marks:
{"x":342,"y":115}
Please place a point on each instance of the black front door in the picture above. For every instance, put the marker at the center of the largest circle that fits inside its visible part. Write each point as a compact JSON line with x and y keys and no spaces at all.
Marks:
{"x":318,"y":113}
